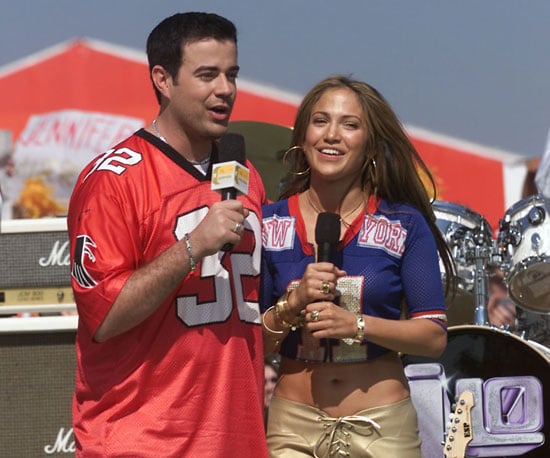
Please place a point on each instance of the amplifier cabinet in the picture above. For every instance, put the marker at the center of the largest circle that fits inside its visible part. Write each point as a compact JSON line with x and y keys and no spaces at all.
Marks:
{"x":38,"y":370}
{"x":37,"y":347}
{"x":34,"y":263}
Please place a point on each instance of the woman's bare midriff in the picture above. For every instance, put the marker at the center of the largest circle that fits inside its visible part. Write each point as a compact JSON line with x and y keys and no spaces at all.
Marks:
{"x":341,"y":389}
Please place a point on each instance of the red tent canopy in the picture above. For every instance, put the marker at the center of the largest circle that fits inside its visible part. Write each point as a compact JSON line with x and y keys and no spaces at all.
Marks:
{"x":94,"y":76}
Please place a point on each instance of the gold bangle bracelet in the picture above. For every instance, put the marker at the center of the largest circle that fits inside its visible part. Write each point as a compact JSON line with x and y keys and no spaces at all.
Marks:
{"x":359,"y":334}
{"x":281,"y":311}
{"x":272,"y":308}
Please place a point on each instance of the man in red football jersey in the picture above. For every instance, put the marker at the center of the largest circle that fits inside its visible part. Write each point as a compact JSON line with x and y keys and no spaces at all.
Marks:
{"x":169,"y":342}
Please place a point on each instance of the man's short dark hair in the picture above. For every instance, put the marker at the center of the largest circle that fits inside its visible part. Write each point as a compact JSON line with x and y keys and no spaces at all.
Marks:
{"x":166,"y":41}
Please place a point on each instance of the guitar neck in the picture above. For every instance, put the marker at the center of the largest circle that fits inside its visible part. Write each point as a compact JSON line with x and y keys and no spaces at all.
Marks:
{"x":460,"y":432}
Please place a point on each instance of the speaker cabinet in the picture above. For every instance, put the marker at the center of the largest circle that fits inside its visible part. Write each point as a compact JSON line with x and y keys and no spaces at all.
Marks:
{"x":38,"y":370}
{"x":35,"y":266}
{"x":37,"y":346}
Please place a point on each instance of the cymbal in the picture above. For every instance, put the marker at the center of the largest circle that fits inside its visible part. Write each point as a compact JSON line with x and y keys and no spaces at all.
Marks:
{"x":265,"y":146}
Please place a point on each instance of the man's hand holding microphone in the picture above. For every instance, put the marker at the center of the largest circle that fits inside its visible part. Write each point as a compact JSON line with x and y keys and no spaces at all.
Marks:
{"x":223,"y":225}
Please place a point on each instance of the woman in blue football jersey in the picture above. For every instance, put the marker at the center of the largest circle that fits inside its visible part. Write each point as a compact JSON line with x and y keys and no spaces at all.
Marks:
{"x":340,"y":324}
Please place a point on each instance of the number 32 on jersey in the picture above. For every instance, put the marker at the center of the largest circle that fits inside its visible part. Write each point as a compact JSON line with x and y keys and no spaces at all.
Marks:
{"x":224,"y":278}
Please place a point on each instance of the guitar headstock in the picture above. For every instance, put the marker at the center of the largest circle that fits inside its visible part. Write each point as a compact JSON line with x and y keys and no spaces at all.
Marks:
{"x":460,"y":432}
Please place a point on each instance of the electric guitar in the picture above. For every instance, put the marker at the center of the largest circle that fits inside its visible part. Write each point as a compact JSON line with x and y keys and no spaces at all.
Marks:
{"x":460,"y":432}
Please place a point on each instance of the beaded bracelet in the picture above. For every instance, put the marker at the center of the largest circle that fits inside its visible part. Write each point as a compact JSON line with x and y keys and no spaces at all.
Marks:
{"x":192,"y":262}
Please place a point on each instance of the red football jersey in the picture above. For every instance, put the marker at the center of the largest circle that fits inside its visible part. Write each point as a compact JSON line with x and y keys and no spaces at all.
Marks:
{"x":188,"y":381}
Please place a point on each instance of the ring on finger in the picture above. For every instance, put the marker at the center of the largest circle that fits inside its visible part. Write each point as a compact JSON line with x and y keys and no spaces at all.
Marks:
{"x":315,"y":315}
{"x":237,"y":229}
{"x":325,"y":287}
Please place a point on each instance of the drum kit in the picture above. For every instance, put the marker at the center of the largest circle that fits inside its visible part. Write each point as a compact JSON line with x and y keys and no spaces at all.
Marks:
{"x":520,"y":253}
{"x":506,"y":368}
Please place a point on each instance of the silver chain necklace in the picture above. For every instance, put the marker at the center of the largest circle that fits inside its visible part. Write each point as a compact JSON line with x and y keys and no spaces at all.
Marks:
{"x":205,"y":161}
{"x":156,"y":130}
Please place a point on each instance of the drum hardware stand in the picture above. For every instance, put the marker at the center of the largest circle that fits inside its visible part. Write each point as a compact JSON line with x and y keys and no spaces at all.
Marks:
{"x":480,"y":287}
{"x":482,"y":253}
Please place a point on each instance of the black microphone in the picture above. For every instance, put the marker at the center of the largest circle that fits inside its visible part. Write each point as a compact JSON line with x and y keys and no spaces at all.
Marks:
{"x":327,"y":235}
{"x":229,"y":175}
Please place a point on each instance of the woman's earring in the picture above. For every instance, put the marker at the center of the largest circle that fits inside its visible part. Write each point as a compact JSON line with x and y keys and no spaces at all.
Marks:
{"x":286,"y":161}
{"x":373,"y":176}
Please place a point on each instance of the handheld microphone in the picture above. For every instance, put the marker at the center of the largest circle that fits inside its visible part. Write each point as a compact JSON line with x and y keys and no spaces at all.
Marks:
{"x":327,"y":235}
{"x":229,"y":175}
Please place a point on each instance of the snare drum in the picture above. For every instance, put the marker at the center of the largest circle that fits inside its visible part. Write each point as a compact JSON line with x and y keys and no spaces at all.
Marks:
{"x":524,"y":238}
{"x":463,"y":230}
{"x":488,"y":353}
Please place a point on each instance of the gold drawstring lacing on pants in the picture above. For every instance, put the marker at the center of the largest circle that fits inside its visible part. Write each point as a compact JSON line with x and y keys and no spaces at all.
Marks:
{"x":337,"y":434}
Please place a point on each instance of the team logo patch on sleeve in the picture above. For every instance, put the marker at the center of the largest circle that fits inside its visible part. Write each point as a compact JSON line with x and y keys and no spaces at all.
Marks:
{"x":84,"y":246}
{"x":381,"y":233}
{"x":278,"y":233}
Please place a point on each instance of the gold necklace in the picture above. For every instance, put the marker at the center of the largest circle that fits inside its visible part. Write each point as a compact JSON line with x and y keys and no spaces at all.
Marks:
{"x":342,"y":218}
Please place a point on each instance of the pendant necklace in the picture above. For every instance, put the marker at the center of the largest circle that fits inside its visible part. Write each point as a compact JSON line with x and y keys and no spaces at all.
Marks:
{"x":342,"y":218}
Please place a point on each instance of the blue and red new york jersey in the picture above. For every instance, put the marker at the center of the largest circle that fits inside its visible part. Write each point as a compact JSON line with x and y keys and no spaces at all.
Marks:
{"x":390,"y":258}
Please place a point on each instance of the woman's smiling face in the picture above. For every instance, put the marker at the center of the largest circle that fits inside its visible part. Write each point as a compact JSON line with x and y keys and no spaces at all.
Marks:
{"x":336,"y":136}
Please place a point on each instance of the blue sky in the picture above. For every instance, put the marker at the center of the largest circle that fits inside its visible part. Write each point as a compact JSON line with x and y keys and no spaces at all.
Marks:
{"x":474,"y":70}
